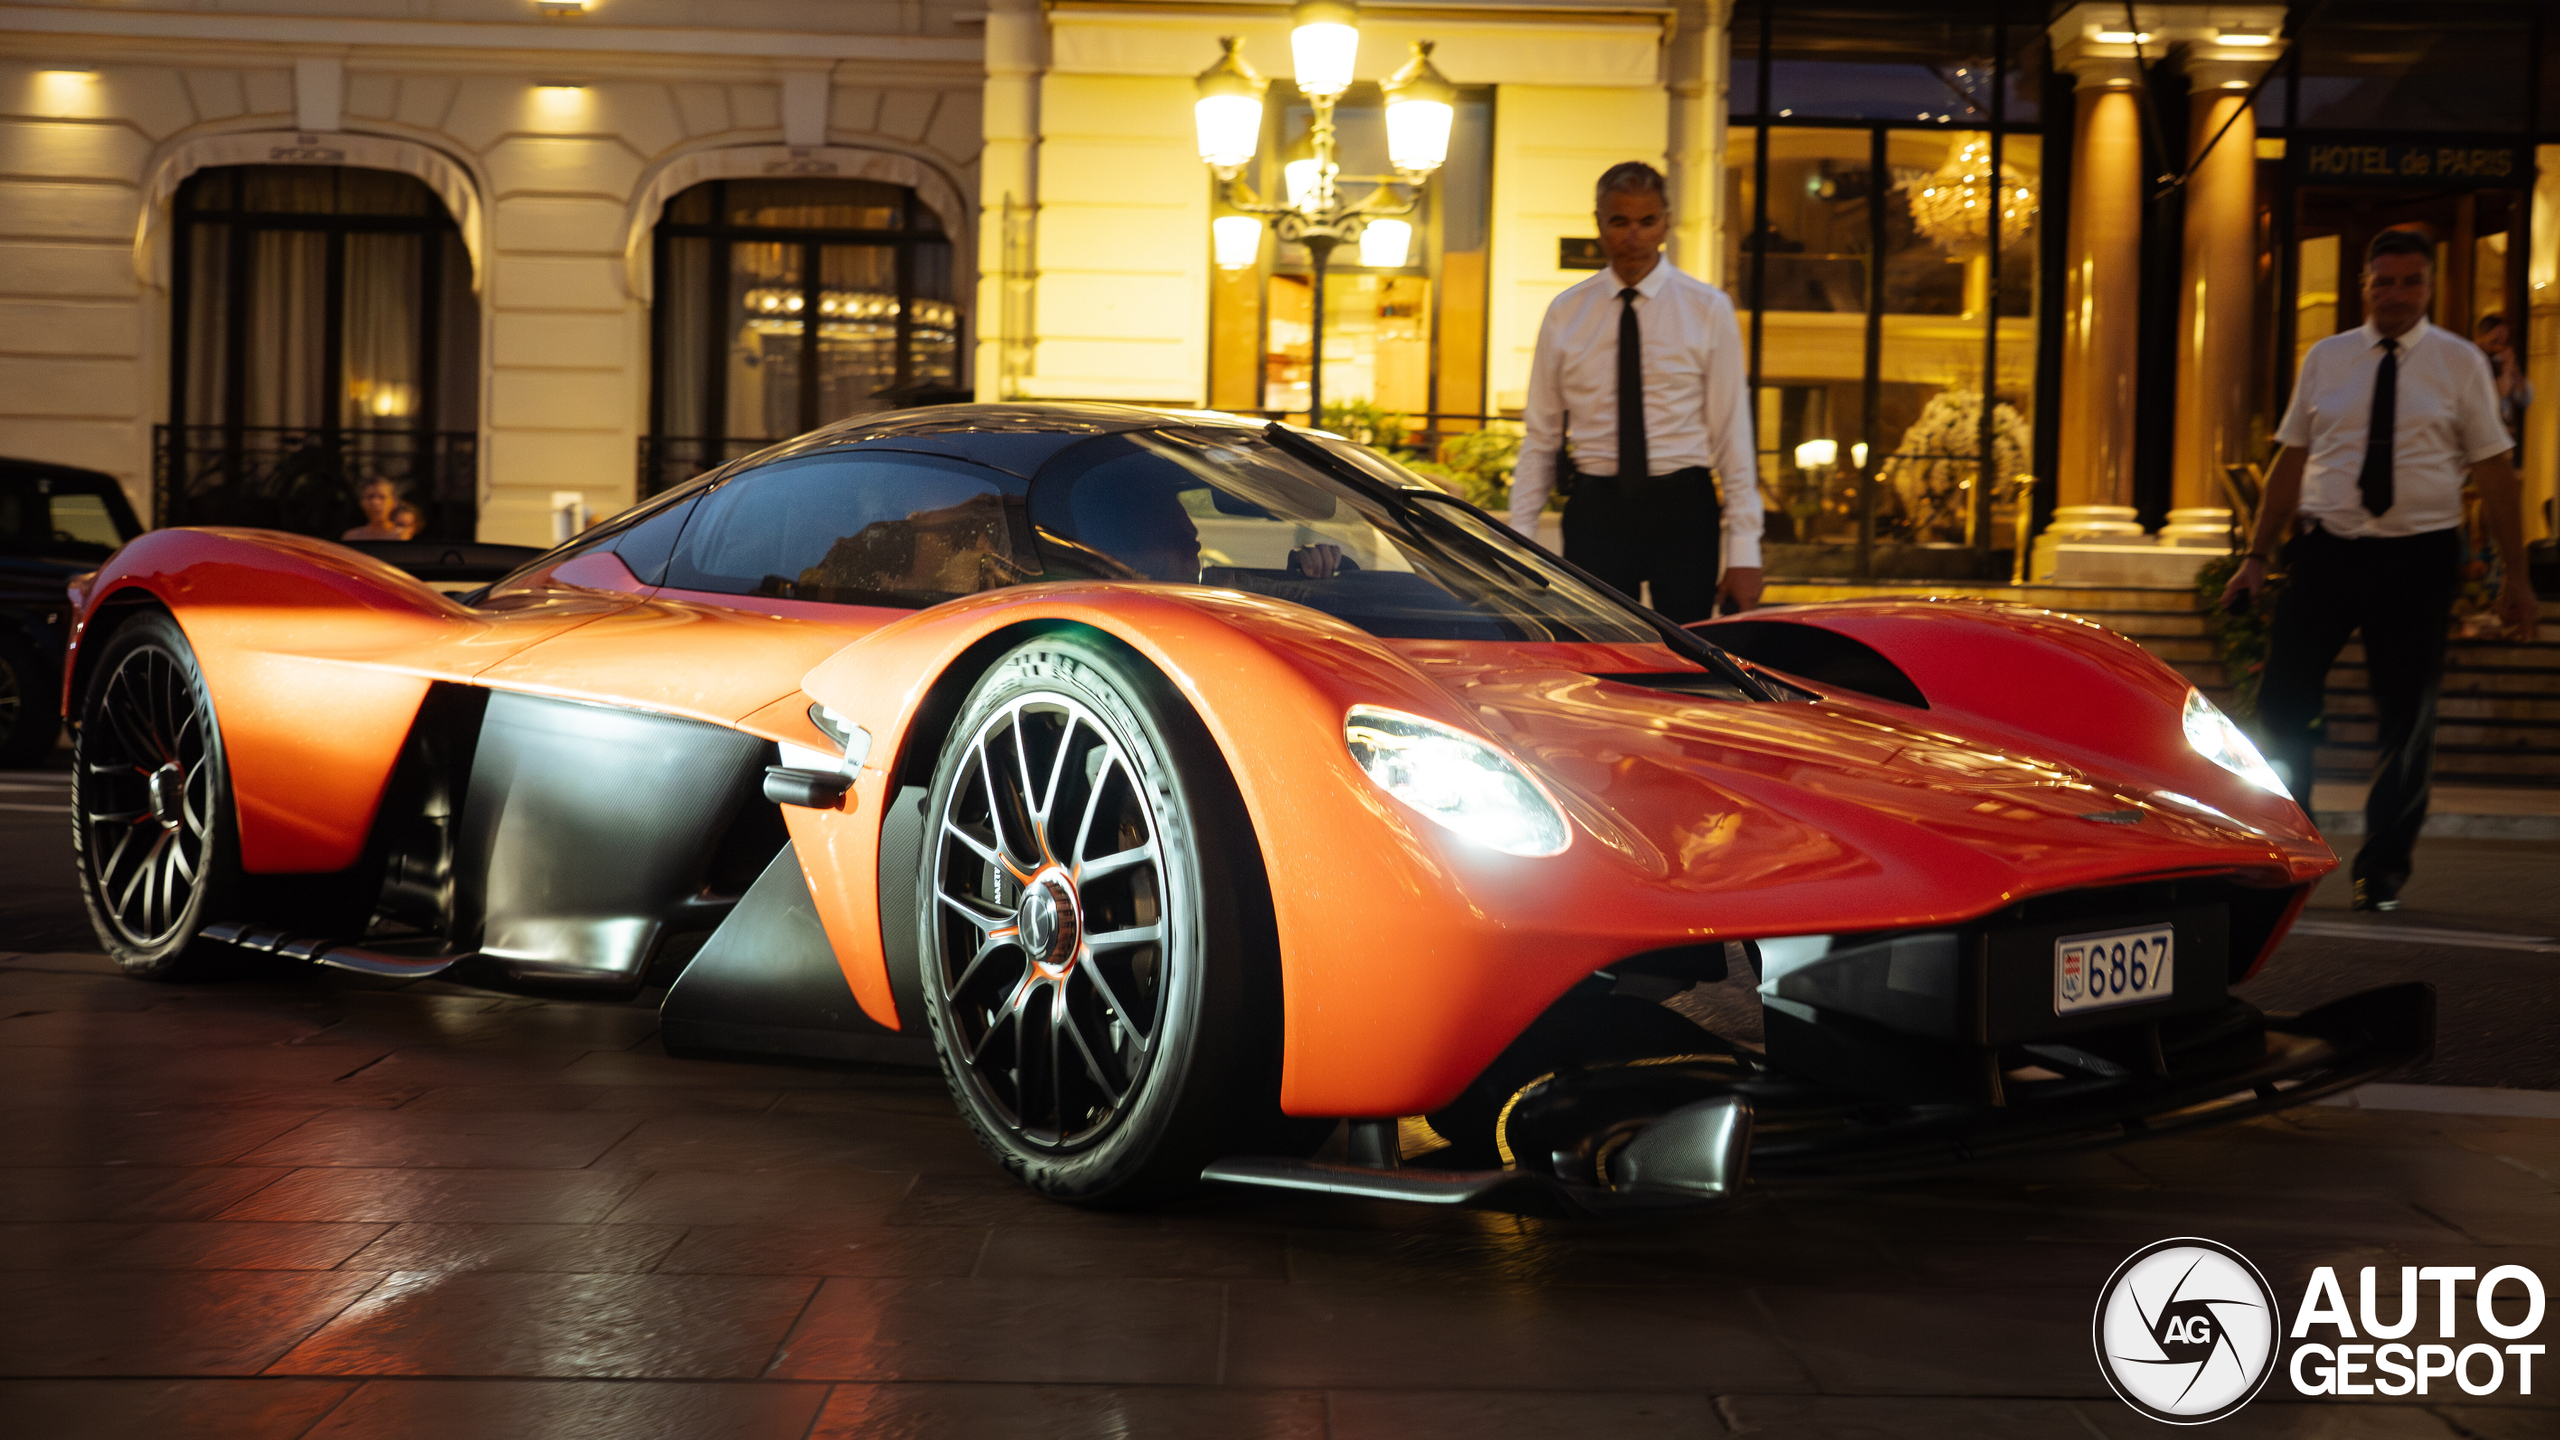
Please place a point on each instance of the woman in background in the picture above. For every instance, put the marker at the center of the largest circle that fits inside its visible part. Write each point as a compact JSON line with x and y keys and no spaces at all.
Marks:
{"x":379,"y":497}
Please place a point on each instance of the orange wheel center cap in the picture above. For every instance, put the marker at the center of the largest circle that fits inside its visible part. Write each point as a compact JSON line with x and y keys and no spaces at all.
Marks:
{"x":1048,"y":922}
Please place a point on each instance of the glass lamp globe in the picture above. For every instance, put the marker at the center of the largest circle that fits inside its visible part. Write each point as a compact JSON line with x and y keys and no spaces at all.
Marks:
{"x":1324,"y":41}
{"x":1385,"y":244}
{"x":1236,"y":240}
{"x":1228,"y":114}
{"x":1421,"y":103}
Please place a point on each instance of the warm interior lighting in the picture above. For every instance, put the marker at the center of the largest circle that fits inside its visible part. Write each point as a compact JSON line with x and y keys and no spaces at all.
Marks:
{"x":2124,"y":37}
{"x":1385,"y":243}
{"x":1237,"y":239}
{"x":1228,"y":114}
{"x":1858,"y":456}
{"x":559,"y":9}
{"x":2247,"y":35}
{"x":1421,"y":104}
{"x":1324,"y":41}
{"x":1817,"y":454}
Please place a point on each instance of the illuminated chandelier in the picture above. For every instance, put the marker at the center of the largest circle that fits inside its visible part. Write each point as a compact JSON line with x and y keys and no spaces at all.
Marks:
{"x":1952,"y":205}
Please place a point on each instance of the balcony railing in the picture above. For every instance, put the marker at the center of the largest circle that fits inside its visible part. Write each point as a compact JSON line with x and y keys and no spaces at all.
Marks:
{"x":307,"y":480}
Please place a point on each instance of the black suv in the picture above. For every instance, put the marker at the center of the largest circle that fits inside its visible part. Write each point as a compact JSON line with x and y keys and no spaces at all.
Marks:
{"x":55,"y":522}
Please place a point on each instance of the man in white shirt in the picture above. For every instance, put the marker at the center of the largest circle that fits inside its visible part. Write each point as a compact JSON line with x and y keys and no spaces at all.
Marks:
{"x":1639,"y":370}
{"x":2386,"y":421}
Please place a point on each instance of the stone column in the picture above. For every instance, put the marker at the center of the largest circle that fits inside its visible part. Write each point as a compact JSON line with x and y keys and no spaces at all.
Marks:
{"x":2103,"y":250}
{"x":1008,"y":191}
{"x":1699,"y":57}
{"x":2216,"y":294}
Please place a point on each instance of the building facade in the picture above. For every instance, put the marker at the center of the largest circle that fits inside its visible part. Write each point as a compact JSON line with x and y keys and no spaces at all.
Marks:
{"x":522,"y":259}
{"x":533,"y":257}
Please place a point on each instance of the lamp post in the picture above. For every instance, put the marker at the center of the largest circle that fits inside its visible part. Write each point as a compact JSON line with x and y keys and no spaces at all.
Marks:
{"x":1421,"y":104}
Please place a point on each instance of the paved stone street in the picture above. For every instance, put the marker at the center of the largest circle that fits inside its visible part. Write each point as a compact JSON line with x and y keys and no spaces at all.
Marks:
{"x":309,"y":1204}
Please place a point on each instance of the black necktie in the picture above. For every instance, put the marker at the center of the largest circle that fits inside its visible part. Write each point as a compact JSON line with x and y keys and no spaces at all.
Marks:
{"x":1633,"y":463}
{"x":2374,"y":480}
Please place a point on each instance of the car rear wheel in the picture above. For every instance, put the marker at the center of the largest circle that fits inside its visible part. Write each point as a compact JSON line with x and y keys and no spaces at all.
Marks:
{"x":1098,"y":967}
{"x":150,"y":802}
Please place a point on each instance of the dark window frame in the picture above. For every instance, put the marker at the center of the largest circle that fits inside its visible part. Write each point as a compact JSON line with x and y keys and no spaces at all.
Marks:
{"x":714,"y":445}
{"x":436,"y":227}
{"x":2008,"y":23}
{"x":196,"y":456}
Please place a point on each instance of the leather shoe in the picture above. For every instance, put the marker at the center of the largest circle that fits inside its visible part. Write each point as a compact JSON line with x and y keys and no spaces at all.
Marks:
{"x":2374,"y":895}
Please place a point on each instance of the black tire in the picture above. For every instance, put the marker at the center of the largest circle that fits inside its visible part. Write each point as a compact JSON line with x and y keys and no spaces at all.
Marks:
{"x":1102,"y":1074}
{"x":29,"y":723}
{"x":151,"y":820}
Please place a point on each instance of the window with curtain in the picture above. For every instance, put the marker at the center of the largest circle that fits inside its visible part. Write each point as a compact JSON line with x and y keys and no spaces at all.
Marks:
{"x":787,"y":304}
{"x":325,"y":340}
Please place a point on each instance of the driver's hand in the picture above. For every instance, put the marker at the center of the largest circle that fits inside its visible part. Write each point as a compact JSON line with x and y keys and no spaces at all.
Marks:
{"x":1317,"y":562}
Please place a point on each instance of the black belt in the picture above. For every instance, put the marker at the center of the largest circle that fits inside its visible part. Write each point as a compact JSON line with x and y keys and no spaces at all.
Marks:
{"x":1569,"y":479}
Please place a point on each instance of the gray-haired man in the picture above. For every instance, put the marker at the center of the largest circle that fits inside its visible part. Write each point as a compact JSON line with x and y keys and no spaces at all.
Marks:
{"x":1639,"y":369}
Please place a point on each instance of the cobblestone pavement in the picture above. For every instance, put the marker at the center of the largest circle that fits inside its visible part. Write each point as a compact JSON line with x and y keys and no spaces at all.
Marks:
{"x":312,"y":1205}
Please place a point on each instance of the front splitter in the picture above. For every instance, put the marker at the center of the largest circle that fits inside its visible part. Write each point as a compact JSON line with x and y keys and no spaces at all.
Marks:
{"x":2320,"y":1052}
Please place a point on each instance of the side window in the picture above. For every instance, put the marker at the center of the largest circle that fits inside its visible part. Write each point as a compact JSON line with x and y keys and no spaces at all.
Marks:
{"x":866,"y":527}
{"x":647,"y":546}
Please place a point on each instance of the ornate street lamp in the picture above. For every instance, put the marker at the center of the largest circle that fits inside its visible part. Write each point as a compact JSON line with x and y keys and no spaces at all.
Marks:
{"x":1421,"y":104}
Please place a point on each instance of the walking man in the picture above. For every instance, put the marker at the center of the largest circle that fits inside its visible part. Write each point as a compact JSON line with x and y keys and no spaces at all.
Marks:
{"x":1639,"y":370}
{"x":2386,"y":420}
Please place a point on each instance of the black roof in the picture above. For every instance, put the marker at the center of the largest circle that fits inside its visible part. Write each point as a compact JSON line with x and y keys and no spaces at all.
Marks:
{"x":1016,"y":437}
{"x":78,"y":479}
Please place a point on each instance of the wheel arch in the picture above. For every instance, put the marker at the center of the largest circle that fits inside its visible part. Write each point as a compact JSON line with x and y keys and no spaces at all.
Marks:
{"x":1269,"y":686}
{"x":110,"y":613}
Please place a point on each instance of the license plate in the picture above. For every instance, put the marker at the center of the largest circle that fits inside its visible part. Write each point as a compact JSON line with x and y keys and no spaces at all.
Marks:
{"x":2120,"y":967}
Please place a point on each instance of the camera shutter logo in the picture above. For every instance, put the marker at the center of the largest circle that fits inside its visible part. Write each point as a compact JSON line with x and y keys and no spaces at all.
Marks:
{"x":2186,"y":1331}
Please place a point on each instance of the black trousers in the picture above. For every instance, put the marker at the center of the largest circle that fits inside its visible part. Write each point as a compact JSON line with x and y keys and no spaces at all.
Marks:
{"x":1669,"y":531}
{"x":2400,"y":593}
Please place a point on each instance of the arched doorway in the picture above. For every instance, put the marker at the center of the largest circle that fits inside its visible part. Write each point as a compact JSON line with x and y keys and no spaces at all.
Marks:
{"x":323,"y":336}
{"x":783,"y":304}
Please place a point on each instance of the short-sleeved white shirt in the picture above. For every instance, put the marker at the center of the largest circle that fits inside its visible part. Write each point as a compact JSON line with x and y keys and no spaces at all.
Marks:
{"x":2445,"y":420}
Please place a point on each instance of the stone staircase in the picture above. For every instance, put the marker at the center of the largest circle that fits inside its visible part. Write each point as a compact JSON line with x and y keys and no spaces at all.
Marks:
{"x":2498,"y":723}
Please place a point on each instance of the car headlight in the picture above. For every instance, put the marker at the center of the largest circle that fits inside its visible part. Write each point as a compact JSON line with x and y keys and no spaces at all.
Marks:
{"x":1456,"y":779}
{"x":2218,"y":740}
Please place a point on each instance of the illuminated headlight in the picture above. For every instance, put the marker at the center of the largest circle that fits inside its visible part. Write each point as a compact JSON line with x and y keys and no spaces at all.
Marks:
{"x":2218,"y":740}
{"x":1457,"y":780}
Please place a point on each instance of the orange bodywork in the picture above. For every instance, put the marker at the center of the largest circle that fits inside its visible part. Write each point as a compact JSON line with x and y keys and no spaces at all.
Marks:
{"x":1410,"y":957}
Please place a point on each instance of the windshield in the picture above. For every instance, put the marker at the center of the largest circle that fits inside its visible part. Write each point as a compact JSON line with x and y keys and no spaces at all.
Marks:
{"x":1228,"y":508}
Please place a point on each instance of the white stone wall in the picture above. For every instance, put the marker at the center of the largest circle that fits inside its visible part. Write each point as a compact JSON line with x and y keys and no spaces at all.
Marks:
{"x":88,"y":116}
{"x":1550,"y":145}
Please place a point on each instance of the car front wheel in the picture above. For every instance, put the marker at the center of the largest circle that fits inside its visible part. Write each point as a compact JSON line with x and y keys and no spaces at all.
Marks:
{"x":1096,"y":945}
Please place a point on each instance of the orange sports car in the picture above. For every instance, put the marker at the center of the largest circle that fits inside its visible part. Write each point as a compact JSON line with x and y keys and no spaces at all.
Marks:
{"x":1214,"y":798}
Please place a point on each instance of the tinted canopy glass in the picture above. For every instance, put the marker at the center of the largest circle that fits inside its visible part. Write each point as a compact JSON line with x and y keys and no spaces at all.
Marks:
{"x":1231,"y":509}
{"x":867,"y":528}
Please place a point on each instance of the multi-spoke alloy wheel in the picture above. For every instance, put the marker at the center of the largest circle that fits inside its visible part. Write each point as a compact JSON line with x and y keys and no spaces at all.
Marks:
{"x":1085,"y":947}
{"x":1054,"y":921}
{"x":147,"y":795}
